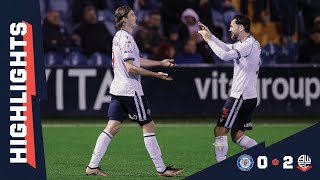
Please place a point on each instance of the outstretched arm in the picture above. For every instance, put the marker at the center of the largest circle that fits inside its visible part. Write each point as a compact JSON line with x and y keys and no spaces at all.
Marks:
{"x":223,"y":54}
{"x":150,"y":63}
{"x":221,"y":44}
{"x":131,"y":68}
{"x":242,"y":50}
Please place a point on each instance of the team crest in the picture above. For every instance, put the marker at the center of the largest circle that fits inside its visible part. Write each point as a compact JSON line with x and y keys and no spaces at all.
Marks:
{"x":245,"y":162}
{"x":304,"y":163}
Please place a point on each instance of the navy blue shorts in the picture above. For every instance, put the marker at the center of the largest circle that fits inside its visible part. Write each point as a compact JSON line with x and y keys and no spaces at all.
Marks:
{"x":135,"y":108}
{"x":237,"y":113}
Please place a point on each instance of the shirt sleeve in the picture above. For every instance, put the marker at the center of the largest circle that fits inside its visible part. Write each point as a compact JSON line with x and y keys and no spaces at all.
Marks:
{"x":127,"y":48}
{"x":221,"y":44}
{"x":223,"y":54}
{"x":243,"y":49}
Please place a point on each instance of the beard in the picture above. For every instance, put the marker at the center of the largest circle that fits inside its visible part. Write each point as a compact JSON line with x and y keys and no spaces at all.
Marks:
{"x":234,"y":36}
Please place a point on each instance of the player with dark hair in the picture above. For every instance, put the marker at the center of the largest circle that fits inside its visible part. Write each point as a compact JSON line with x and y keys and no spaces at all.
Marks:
{"x":237,"y":111}
{"x":128,"y":98}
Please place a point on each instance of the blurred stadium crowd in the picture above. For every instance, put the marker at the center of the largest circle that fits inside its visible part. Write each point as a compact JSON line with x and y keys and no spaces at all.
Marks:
{"x":80,"y":32}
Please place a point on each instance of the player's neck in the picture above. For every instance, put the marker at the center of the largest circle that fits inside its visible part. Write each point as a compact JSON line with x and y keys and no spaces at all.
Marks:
{"x":244,"y":37}
{"x":128,"y":29}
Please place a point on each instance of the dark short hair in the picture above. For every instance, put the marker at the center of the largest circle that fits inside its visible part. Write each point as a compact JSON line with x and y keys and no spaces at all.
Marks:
{"x":120,"y":13}
{"x":88,"y":8}
{"x":155,"y":12}
{"x":244,"y":21}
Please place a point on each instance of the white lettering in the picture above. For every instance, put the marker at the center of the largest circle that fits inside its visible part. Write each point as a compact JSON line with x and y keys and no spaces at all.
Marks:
{"x":82,"y":74}
{"x":14,"y":43}
{"x":18,"y":152}
{"x":293,"y":93}
{"x":223,"y":83}
{"x":202,"y":89}
{"x":18,"y":110}
{"x":214,"y":84}
{"x":48,"y":72}
{"x":18,"y":58}
{"x":18,"y":29}
{"x":103,"y":96}
{"x":59,"y":89}
{"x":312,"y":95}
{"x":265,"y":83}
{"x":18,"y":75}
{"x":279,"y":88}
{"x":18,"y":130}
{"x":23,"y":98}
{"x":275,"y":88}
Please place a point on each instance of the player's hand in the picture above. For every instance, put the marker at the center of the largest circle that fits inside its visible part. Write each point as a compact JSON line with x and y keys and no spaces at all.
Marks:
{"x":205,"y":35}
{"x":204,"y":30}
{"x":203,"y":27}
{"x":163,"y":76}
{"x":167,"y":63}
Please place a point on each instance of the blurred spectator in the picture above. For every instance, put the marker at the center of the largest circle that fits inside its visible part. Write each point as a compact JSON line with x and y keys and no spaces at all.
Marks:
{"x":284,"y":11}
{"x":259,"y":7}
{"x":175,"y":38}
{"x":55,"y":36}
{"x":113,"y":5}
{"x":216,"y":4}
{"x":79,"y":5}
{"x":203,"y":9}
{"x":149,"y":34}
{"x":92,"y":35}
{"x":165,"y":51}
{"x":190,"y":19}
{"x":142,"y":8}
{"x":287,"y":11}
{"x":189,"y":54}
{"x":43,"y":8}
{"x":63,"y":6}
{"x":309,"y":50}
{"x":171,"y":13}
{"x":310,"y":10}
{"x":229,"y":11}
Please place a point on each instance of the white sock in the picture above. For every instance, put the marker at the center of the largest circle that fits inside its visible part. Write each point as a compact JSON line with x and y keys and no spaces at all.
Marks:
{"x":100,"y":149}
{"x":245,"y":142}
{"x":154,"y":151}
{"x":221,"y":147}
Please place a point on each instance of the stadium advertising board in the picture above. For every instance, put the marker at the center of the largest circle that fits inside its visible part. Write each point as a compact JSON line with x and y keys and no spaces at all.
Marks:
{"x":281,"y":90}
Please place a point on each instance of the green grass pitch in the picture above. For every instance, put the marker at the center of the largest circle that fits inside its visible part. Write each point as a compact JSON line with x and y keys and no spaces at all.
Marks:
{"x":68,"y":148}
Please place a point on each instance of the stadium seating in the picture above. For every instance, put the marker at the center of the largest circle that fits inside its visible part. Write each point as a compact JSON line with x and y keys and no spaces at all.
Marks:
{"x":267,"y":34}
{"x":289,"y":53}
{"x":75,"y":58}
{"x":270,"y":52}
{"x":53,"y":58}
{"x":98,"y":59}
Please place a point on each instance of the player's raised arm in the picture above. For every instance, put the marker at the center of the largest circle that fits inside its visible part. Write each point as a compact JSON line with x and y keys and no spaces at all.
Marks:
{"x":221,"y":53}
{"x":213,"y":38}
{"x":151,"y":63}
{"x":131,"y":68}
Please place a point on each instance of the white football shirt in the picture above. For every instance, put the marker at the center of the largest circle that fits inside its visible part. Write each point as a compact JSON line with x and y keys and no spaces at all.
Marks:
{"x":124,"y":48}
{"x":246,"y":68}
